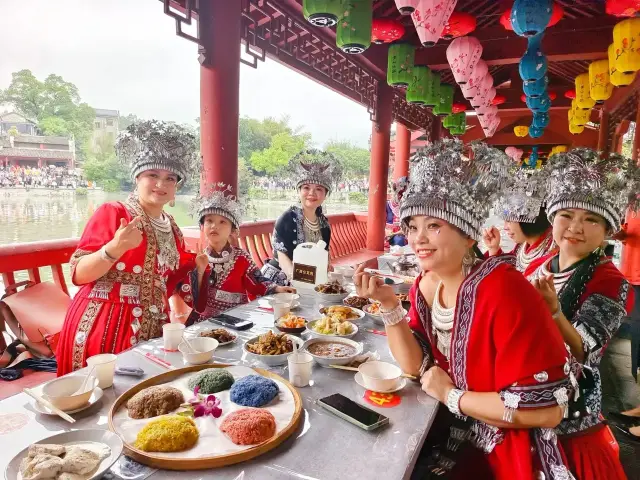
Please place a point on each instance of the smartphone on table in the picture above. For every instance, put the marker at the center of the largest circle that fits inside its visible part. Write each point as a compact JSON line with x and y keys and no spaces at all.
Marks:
{"x":232,"y":322}
{"x":353,"y":412}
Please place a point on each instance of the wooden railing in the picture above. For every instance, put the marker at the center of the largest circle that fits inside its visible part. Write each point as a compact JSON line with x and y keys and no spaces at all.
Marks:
{"x":348,"y":246}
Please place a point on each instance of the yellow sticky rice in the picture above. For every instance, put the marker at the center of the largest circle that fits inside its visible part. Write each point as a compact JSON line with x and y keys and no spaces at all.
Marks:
{"x":171,"y":433}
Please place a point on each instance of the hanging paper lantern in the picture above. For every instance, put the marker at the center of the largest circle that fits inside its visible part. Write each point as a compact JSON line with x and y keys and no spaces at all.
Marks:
{"x":558,"y":149}
{"x":533,"y":158}
{"x":491,"y":127}
{"x":417,"y":89}
{"x":487,"y":110}
{"x":462,"y":54}
{"x":430,"y":17}
{"x":570,"y":94}
{"x":454,"y":121}
{"x":353,"y":33}
{"x":552,"y":96}
{"x":400,"y":64}
{"x":616,"y":77}
{"x":514,"y":153}
{"x":445,"y":103}
{"x":487,"y":100}
{"x":523,"y":98}
{"x":480,"y":71}
{"x":433,"y":89}
{"x":533,"y":65}
{"x":599,"y":85}
{"x":539,"y":104}
{"x":406,"y":7}
{"x":482,"y":91}
{"x":530,"y":17}
{"x":583,"y":91}
{"x":579,"y":116}
{"x":458,"y":25}
{"x":461,"y":127}
{"x":626,"y":40}
{"x":540,"y":119}
{"x":535,"y":132}
{"x":322,"y":13}
{"x":521,"y":131}
{"x":575,"y":129}
{"x":536,"y":88}
{"x":459,"y":107}
{"x":556,"y":15}
{"x":622,"y":8}
{"x":498,"y":100}
{"x":386,"y":30}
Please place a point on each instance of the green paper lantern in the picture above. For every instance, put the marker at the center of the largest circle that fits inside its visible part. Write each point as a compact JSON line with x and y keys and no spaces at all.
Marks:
{"x":445,"y":102}
{"x":433,"y":89}
{"x":322,"y":13}
{"x":400,"y":64}
{"x":458,"y":123}
{"x":417,"y":90}
{"x":353,"y":33}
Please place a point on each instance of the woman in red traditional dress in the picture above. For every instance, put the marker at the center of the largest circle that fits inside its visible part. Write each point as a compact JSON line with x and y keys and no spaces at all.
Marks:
{"x":585,"y":292}
{"x":225,"y":276}
{"x":479,"y":337}
{"x":131,"y":254}
{"x":520,"y":205}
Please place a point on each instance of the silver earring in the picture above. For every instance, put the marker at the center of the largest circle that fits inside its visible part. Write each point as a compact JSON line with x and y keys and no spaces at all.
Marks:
{"x":468,"y":261}
{"x":172,"y":203}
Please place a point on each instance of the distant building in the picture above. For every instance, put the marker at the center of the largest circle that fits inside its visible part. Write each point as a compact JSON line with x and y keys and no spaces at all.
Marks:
{"x":37,"y":151}
{"x":22,"y":124}
{"x":105,"y":126}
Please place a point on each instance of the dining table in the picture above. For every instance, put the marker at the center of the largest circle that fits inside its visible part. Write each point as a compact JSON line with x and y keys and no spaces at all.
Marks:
{"x":323,"y":447}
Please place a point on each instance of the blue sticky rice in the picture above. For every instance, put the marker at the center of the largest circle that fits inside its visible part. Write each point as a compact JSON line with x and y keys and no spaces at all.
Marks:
{"x":254,"y":391}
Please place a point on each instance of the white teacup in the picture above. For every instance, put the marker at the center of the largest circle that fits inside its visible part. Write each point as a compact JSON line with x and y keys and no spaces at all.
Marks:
{"x":280,"y":309}
{"x":300,"y":366}
{"x":105,"y":364}
{"x":172,"y":336}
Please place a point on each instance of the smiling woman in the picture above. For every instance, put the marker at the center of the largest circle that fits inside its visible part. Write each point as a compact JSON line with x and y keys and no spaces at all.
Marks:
{"x":316,"y":173}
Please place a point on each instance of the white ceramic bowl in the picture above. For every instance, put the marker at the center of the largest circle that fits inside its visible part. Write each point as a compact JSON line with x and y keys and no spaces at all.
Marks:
{"x":61,"y":391}
{"x":348,"y":272}
{"x":327,"y":361}
{"x":204,"y":347}
{"x":287,"y":298}
{"x":354,"y":330}
{"x":271,"y":360}
{"x":380,"y":376}
{"x":377,"y":318}
{"x":332,"y":297}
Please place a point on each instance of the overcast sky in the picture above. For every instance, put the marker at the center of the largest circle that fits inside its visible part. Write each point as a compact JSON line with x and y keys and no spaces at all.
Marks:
{"x":124,"y":55}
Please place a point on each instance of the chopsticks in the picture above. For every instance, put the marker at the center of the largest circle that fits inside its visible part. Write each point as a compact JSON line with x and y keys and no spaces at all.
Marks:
{"x":48,"y":405}
{"x":158,"y":361}
{"x":353,"y":369}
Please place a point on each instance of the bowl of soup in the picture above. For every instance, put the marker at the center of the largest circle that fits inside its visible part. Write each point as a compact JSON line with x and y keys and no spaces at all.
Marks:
{"x":334,"y":351}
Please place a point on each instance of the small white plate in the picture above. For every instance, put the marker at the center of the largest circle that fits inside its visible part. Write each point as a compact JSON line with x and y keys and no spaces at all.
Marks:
{"x":357,"y":311}
{"x":220,"y":344}
{"x":358,"y":379}
{"x":95,"y":396}
{"x":330,"y":336}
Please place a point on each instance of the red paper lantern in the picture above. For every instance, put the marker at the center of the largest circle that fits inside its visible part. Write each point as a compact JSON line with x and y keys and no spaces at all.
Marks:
{"x":523,"y":98}
{"x":386,"y":30}
{"x":570,"y":94}
{"x":459,"y":24}
{"x":556,"y":16}
{"x":498,"y":100}
{"x":552,"y":96}
{"x":622,"y":8}
{"x":459,"y":108}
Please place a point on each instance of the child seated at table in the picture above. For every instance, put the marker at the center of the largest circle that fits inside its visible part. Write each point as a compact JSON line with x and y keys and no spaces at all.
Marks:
{"x":225,"y":276}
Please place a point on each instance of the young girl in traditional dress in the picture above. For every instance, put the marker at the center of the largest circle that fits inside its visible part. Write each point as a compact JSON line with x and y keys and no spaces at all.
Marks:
{"x":479,"y":337}
{"x":131,"y":254}
{"x":586,"y":294}
{"x":225,"y":276}
{"x":520,"y":205}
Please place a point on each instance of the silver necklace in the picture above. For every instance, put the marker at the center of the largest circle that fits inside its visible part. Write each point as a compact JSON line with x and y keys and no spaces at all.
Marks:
{"x":218,"y":263}
{"x":524,"y":259}
{"x":162,"y":223}
{"x":313,"y":226}
{"x":442,"y":322}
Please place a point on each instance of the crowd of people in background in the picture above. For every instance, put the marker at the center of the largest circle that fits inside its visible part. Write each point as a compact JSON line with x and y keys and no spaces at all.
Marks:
{"x":271,"y":183}
{"x":46,"y":177}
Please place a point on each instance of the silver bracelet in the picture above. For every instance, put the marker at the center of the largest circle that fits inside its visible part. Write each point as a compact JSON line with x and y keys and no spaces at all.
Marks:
{"x":105,"y":256}
{"x":453,"y":401}
{"x":556,"y":315}
{"x":393,"y":316}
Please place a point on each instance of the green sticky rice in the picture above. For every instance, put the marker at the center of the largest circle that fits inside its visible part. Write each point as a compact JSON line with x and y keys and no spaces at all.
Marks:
{"x":211,"y":380}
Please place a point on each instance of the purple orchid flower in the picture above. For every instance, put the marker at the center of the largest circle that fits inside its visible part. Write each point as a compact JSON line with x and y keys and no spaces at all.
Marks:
{"x":196,"y":399}
{"x":209,"y":406}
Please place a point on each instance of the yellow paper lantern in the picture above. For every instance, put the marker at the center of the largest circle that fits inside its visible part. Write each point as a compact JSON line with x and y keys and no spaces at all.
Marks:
{"x":559,"y":149}
{"x":521,"y":131}
{"x":581,"y":116}
{"x":583,"y":91}
{"x":575,"y":129}
{"x":626,"y":41}
{"x":616,"y":77}
{"x":599,"y":82}
{"x":539,"y":164}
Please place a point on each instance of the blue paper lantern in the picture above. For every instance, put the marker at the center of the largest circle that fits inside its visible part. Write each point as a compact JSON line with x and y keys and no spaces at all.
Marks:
{"x":531,"y":17}
{"x":533,"y":158}
{"x":536,"y":88}
{"x":539,"y":104}
{"x":540,"y":119}
{"x":533,"y":65}
{"x":535,"y":132}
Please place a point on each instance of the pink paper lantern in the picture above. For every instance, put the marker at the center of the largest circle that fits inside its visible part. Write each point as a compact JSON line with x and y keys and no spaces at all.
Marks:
{"x":406,"y":7}
{"x":463,"y":54}
{"x":486,"y":109}
{"x":479,"y":71}
{"x":514,"y":153}
{"x":430,"y":18}
{"x":491,"y":128}
{"x":482,"y":91}
{"x":487,"y":99}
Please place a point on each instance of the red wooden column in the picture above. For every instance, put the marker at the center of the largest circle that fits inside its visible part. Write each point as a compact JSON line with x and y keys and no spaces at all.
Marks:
{"x":379,"y":174}
{"x":219,"y":24}
{"x":403,"y":149}
{"x":436,"y":129}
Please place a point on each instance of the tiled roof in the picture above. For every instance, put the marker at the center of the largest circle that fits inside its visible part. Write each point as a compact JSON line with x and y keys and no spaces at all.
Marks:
{"x":103,"y":112}
{"x":35,"y":153}
{"x":42,"y":139}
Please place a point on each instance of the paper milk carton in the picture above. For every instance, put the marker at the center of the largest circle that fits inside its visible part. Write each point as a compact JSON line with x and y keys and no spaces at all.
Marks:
{"x":310,"y":265}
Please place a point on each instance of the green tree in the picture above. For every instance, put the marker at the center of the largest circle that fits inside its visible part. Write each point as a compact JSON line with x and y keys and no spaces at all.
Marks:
{"x":54,"y":103}
{"x":125,"y":120}
{"x":355,"y":160}
{"x":275,"y":159}
{"x":102,"y":166}
{"x":13,"y":132}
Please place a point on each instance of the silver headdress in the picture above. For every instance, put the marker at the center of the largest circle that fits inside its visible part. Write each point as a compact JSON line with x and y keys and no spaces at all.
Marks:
{"x":316,"y":166}
{"x":445,"y":183}
{"x":523,"y":196}
{"x":582,"y":179}
{"x":219,"y":200}
{"x":399,"y":187}
{"x":153,"y":144}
